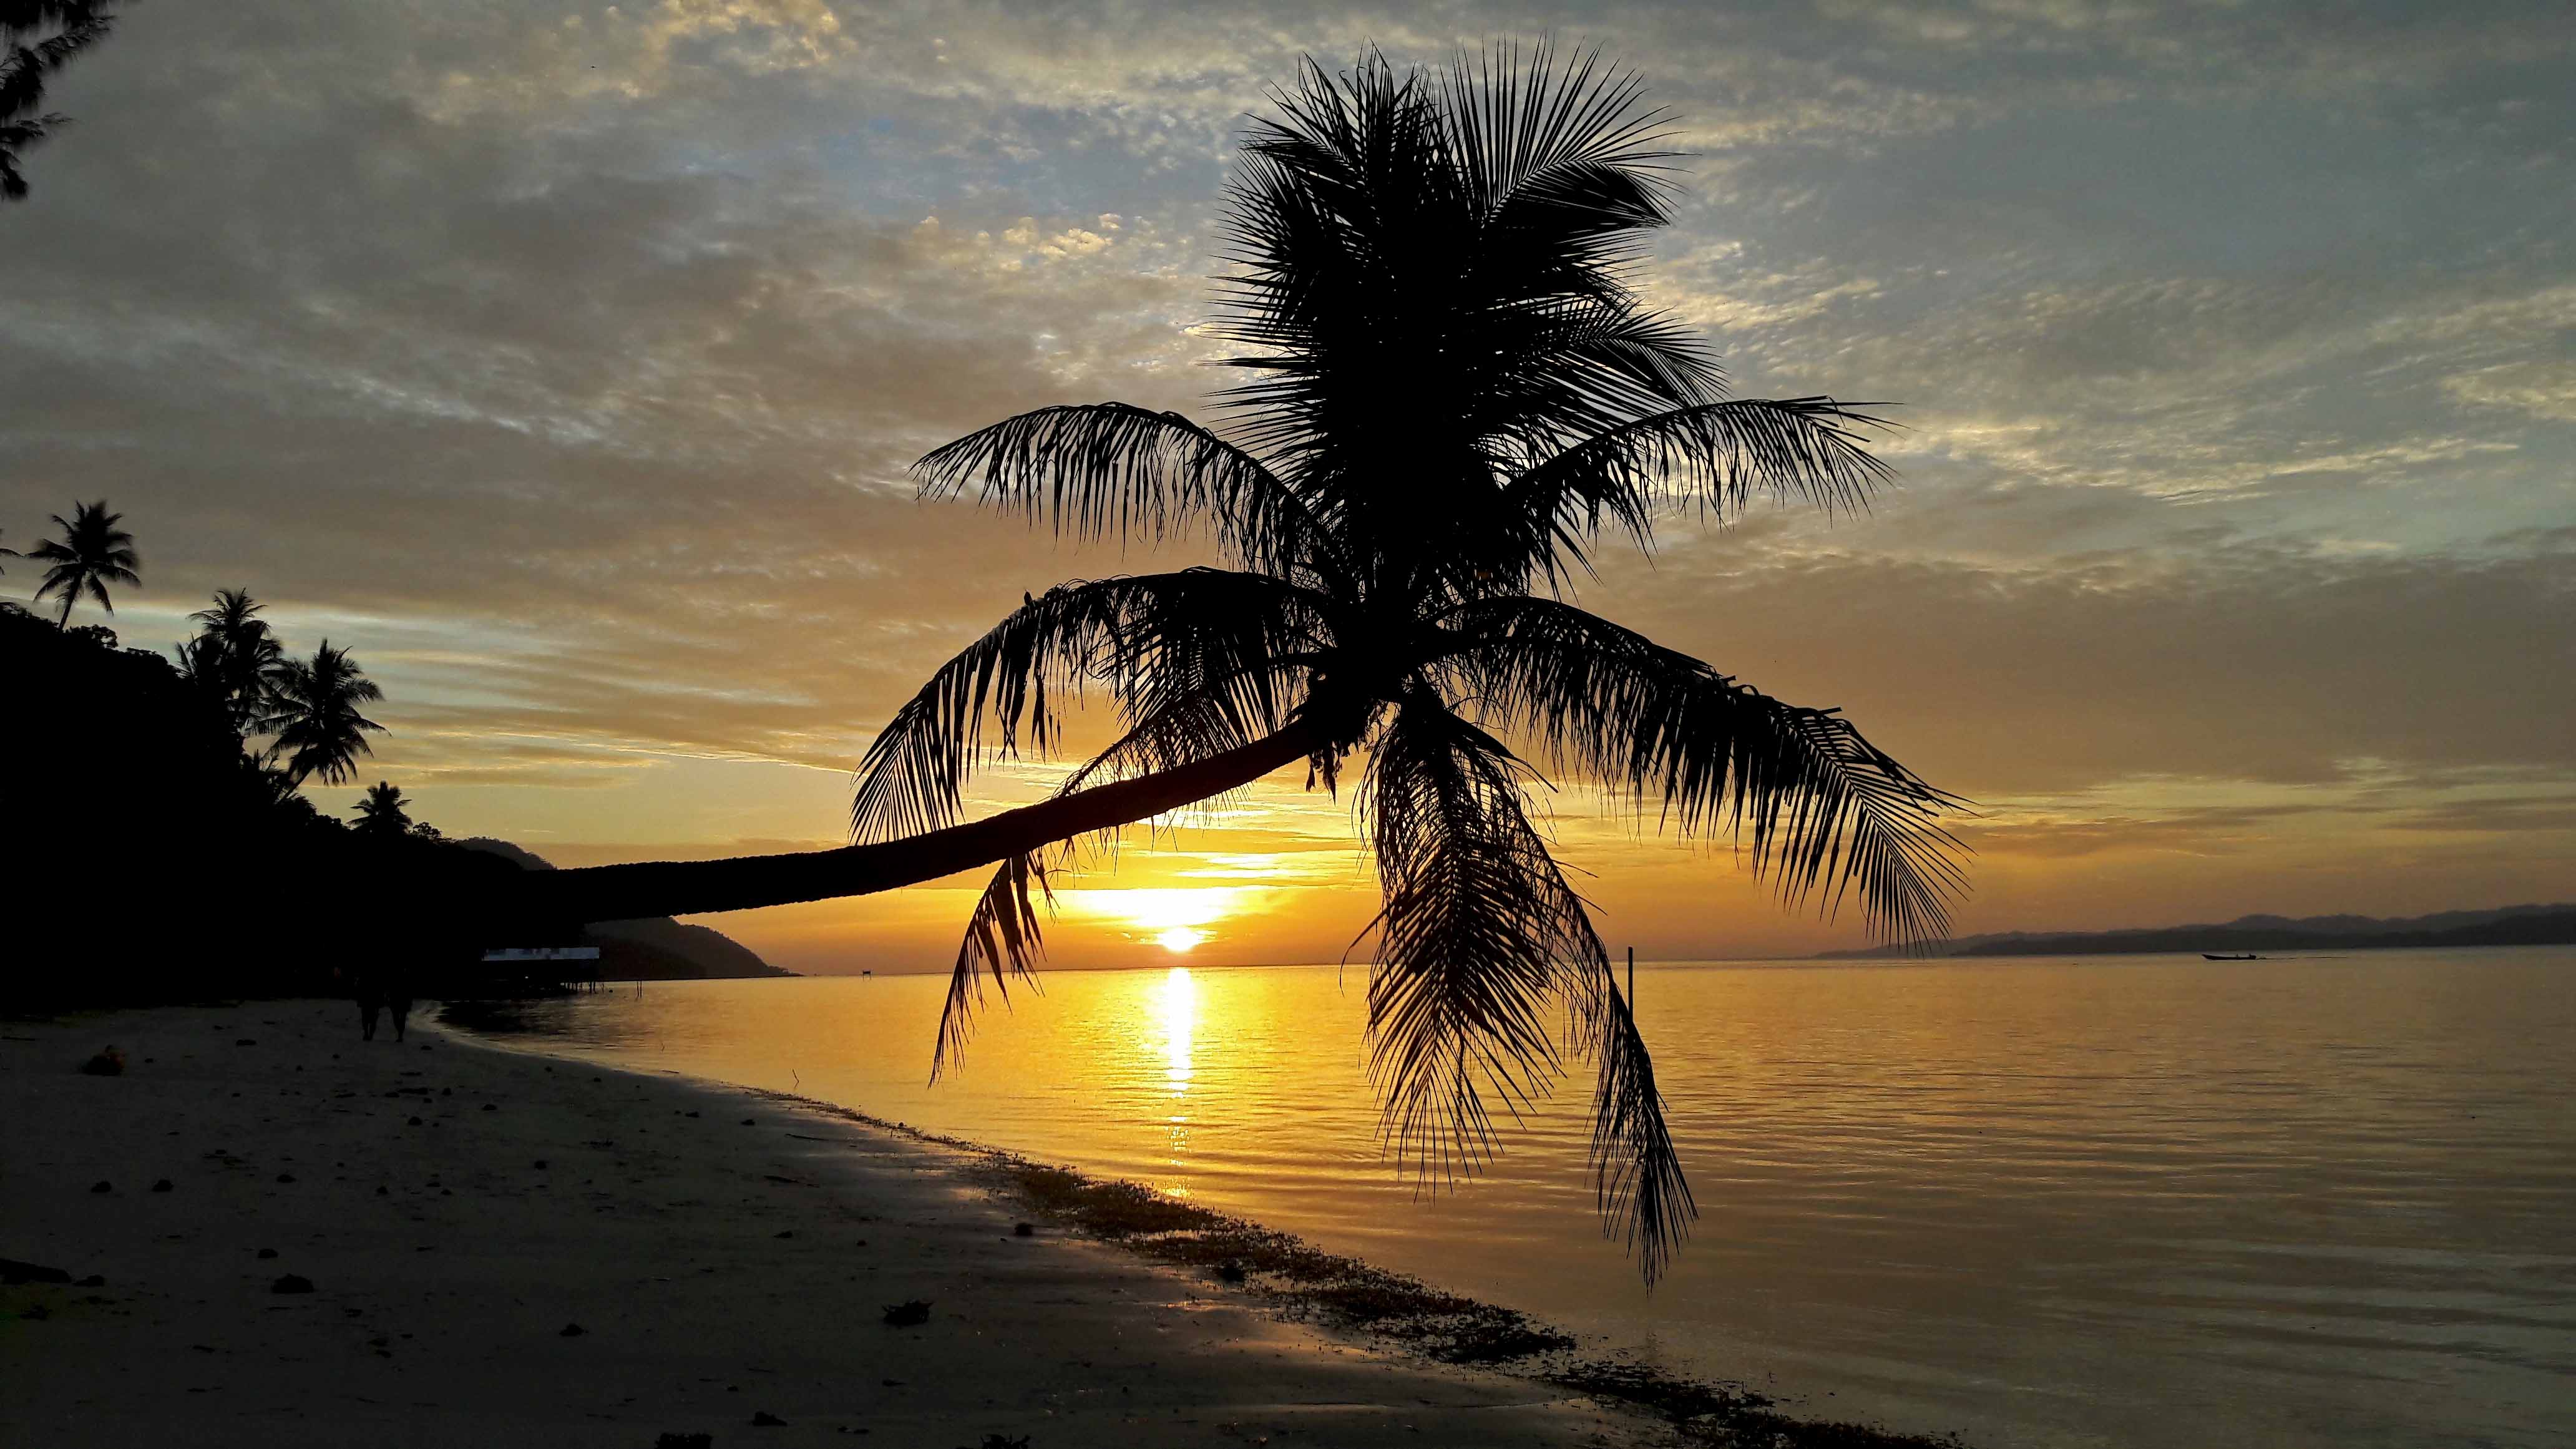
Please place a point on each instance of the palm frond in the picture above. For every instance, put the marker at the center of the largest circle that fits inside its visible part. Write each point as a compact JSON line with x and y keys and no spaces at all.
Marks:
{"x":1111,"y":469}
{"x":1712,"y":454}
{"x":1827,"y":813}
{"x":1637,"y":1178}
{"x":1002,"y":940}
{"x":1479,"y":938}
{"x":1473,"y":944}
{"x":1145,"y":640}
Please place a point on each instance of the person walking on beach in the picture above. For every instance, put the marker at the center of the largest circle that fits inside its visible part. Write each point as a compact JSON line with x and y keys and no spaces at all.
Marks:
{"x":398,"y":1001}
{"x":377,"y":991}
{"x":370,"y":992}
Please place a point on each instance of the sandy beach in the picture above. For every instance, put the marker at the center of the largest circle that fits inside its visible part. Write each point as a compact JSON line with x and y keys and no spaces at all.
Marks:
{"x":506,"y":1249}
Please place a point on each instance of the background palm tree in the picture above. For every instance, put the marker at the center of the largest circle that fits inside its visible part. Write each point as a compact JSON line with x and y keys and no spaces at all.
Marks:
{"x":92,"y":553}
{"x":1453,"y":395}
{"x":313,"y":711}
{"x":8,"y":552}
{"x":25,"y":61}
{"x":240,"y":652}
{"x":381,"y":813}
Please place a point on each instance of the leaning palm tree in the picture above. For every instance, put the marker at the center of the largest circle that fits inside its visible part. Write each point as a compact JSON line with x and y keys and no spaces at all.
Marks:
{"x":1453,"y":396}
{"x":243,"y":653}
{"x":313,"y":712}
{"x":92,"y":553}
{"x":382,"y":813}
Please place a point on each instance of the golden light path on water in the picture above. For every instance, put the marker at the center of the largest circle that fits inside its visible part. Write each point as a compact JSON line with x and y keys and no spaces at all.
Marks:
{"x":1178,"y":1019}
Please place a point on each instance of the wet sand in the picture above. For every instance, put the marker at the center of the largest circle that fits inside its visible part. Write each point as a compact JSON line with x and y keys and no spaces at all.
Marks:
{"x":461,"y":1210}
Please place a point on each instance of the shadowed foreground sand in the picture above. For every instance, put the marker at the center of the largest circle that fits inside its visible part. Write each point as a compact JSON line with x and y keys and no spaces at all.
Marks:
{"x":458,"y":1208}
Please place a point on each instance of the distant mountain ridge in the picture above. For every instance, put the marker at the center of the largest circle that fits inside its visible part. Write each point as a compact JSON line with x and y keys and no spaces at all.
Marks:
{"x":655,"y":948}
{"x":2534,"y":925}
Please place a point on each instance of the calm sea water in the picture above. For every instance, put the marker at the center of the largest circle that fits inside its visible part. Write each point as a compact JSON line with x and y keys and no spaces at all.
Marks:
{"x":2120,"y":1201}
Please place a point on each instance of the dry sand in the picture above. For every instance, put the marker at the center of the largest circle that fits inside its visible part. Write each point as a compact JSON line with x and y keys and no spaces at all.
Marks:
{"x":456,"y":1207}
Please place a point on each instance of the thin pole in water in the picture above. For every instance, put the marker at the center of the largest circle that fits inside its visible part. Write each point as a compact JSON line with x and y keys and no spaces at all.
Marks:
{"x":1632,"y":978}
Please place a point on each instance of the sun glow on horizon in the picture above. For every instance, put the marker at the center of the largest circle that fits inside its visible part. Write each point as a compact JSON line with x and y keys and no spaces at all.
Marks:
{"x":1177,"y":919}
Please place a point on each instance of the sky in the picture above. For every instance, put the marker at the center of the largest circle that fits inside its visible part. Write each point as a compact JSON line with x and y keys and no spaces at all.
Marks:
{"x":565,"y":363}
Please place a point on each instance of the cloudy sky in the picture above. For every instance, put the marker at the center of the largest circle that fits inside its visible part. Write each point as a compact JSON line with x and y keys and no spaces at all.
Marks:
{"x":565,"y":361}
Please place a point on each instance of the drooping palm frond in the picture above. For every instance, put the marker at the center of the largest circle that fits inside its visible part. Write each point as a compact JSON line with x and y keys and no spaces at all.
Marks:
{"x":1143,"y":640}
{"x":1480,"y":939}
{"x":1826,"y":812}
{"x":1636,"y":1170}
{"x":1002,"y":940}
{"x":1114,"y":470}
{"x":1474,"y":942}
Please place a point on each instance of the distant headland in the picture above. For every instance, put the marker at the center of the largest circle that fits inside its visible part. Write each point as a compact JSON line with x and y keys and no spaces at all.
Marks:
{"x":2549,"y":925}
{"x":655,"y":948}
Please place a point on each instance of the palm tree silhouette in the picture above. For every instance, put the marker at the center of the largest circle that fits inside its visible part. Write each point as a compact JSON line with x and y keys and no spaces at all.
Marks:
{"x":1454,"y":393}
{"x":242,"y":653}
{"x":312,"y":709}
{"x":92,"y":553}
{"x":381,"y":813}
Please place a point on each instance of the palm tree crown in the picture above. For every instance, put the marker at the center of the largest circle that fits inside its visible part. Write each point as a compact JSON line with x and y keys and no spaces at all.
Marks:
{"x":381,"y":813}
{"x":239,"y":654}
{"x":313,"y":711}
{"x":1451,"y":393}
{"x":92,"y":553}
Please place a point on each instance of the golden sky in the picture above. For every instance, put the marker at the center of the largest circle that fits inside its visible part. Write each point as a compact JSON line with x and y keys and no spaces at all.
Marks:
{"x":564,"y":361}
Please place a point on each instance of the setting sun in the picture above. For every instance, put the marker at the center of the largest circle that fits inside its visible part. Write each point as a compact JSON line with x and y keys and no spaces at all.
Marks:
{"x":1174,"y":918}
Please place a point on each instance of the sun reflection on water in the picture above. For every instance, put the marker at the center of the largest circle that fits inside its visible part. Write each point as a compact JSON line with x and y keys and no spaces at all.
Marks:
{"x":1180,"y":1017}
{"x":1178,"y":1011}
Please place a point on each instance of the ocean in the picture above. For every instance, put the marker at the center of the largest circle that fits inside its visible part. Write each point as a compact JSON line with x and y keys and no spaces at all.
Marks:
{"x":2139,"y":1201}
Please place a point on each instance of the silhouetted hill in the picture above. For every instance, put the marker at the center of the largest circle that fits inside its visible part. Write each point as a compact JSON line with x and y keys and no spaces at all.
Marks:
{"x":2535,"y":925}
{"x":655,"y":948}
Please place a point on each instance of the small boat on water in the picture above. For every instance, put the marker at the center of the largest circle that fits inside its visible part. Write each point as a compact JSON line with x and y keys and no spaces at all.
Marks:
{"x":2220,"y":956}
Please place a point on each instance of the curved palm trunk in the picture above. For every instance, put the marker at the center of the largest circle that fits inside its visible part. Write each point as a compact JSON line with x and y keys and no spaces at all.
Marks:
{"x":658,"y":888}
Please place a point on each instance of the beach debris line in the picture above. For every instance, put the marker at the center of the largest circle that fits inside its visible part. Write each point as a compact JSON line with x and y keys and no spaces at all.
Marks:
{"x":684,"y":1441}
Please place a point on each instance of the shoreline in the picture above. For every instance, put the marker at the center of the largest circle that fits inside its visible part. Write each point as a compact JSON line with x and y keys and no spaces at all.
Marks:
{"x":507,"y":1246}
